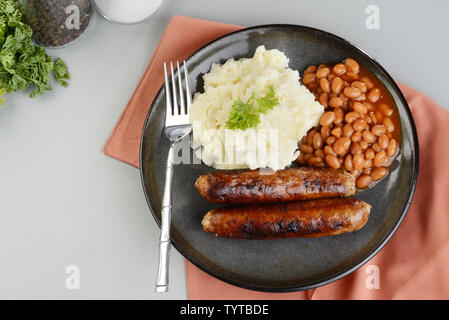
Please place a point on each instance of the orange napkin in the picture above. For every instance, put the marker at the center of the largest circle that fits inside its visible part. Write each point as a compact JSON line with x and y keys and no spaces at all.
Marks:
{"x":413,"y":265}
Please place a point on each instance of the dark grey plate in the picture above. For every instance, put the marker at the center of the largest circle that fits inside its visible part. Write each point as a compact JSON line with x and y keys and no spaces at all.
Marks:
{"x":283,"y":264}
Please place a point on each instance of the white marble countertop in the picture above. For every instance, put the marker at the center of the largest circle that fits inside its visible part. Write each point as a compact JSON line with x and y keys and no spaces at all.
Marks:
{"x":64,"y":203}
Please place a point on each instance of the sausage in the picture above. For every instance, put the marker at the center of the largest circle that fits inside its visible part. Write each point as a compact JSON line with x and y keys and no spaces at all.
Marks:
{"x":305,"y":219}
{"x":293,"y":184}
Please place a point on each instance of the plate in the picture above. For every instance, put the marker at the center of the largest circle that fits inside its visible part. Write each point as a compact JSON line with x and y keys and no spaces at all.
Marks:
{"x":283,"y":264}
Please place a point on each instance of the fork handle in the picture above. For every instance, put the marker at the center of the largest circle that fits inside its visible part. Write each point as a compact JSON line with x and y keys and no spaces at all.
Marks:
{"x":164,"y":240}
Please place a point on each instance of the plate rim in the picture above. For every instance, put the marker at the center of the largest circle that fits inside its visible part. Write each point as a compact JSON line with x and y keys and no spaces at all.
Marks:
{"x":375,"y":251}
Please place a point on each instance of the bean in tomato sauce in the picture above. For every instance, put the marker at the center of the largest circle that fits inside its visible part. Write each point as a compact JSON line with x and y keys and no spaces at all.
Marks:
{"x":360,"y":129}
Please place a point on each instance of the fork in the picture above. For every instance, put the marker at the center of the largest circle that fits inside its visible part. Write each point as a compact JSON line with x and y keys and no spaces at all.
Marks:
{"x":177,"y":127}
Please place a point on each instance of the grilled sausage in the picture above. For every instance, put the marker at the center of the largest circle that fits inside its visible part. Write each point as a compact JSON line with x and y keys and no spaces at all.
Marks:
{"x":292,"y":184}
{"x":307,"y":219}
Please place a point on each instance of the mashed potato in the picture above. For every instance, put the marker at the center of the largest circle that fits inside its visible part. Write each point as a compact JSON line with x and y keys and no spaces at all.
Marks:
{"x":272,"y":144}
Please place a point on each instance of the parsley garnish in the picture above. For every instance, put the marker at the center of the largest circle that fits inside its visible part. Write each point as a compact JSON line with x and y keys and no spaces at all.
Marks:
{"x":246,"y":115}
{"x":22,"y":63}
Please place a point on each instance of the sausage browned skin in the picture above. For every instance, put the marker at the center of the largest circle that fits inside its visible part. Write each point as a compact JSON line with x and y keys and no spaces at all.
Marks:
{"x":306,"y":219}
{"x":254,"y":186}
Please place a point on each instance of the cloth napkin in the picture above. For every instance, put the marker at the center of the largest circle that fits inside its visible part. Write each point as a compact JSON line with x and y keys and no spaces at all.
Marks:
{"x":414,"y":263}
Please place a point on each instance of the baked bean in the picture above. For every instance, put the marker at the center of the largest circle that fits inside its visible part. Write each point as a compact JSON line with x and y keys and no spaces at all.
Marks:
{"x":376,"y":147}
{"x":300,"y":158}
{"x":319,"y":153}
{"x":314,"y":161}
{"x":368,"y":105}
{"x":348,"y":130}
{"x":327,"y":118}
{"x":379,"y":116}
{"x":335,"y":102}
{"x":310,"y":135}
{"x":385,"y":109}
{"x":351,"y":76}
{"x":356,"y":137}
{"x":378,"y":173}
{"x":336,"y":132}
{"x":363,"y":181}
{"x":358,"y":161}
{"x":341,"y":145}
{"x":339,"y":115}
{"x":331,"y":140}
{"x":360,"y":98}
{"x":368,"y":119}
{"x":317,"y":140}
{"x":339,"y":69}
{"x":388,"y":124}
{"x":363,"y":144}
{"x":306,"y":148}
{"x":352,"y":93}
{"x":337,"y":85}
{"x":373,"y":117}
{"x":323,"y":73}
{"x":383,"y":142}
{"x":391,"y":150}
{"x":355,"y":148}
{"x":312,"y":86}
{"x":359,"y":108}
{"x":330,"y":77}
{"x":361,"y":85}
{"x":368,"y":82}
{"x":325,"y":85}
{"x":352,"y":65}
{"x":325,"y":132}
{"x":348,"y":163}
{"x":310,"y":69}
{"x":350,"y":117}
{"x":374,"y":95}
{"x":378,"y":130}
{"x":307,"y":156}
{"x":369,"y":154}
{"x":359,"y":125}
{"x":328,"y":150}
{"x":379,"y":159}
{"x":323,"y":99}
{"x":367,"y":170}
{"x":332,"y":161}
{"x":309,"y":78}
{"x":368,"y":136}
{"x":367,"y":164}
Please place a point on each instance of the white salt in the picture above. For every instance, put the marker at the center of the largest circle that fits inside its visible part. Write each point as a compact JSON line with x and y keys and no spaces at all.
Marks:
{"x":127,"y":11}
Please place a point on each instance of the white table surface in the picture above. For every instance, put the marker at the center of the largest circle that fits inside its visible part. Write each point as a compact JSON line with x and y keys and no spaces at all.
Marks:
{"x":63,"y":202}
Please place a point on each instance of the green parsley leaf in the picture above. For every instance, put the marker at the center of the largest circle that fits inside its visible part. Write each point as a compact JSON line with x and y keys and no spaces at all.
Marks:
{"x":245,"y":115}
{"x":268,"y":101}
{"x":22,"y":63}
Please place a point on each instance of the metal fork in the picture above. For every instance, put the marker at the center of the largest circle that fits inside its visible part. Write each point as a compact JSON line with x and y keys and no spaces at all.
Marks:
{"x":177,"y":127}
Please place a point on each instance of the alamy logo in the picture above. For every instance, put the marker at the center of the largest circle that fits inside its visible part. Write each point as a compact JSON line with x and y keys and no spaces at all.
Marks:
{"x":73,"y":20}
{"x":372,"y":22}
{"x":72,"y":282}
{"x":372,"y":282}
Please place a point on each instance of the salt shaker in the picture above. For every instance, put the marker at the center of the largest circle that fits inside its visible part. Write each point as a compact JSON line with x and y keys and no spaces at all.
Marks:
{"x":129,"y":11}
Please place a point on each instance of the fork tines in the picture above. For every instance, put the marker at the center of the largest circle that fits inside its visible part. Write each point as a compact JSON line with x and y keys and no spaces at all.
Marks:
{"x":176,"y":92}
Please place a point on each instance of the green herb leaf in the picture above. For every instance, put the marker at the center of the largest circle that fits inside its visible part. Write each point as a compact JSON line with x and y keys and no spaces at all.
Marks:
{"x":245,"y":115}
{"x":61,"y":73}
{"x":22,"y":63}
{"x":268,"y":101}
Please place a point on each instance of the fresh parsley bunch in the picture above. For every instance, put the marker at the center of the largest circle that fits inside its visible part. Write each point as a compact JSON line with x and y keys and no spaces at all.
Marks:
{"x":22,"y":63}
